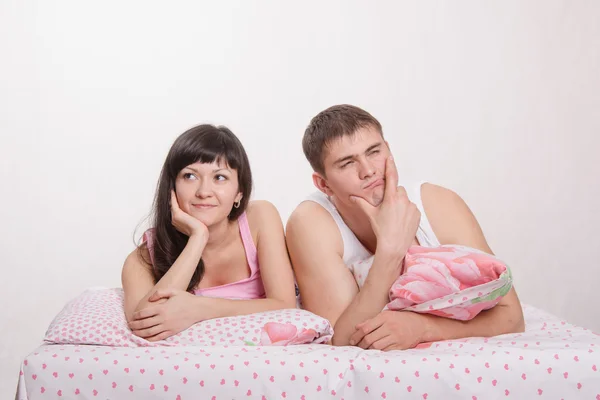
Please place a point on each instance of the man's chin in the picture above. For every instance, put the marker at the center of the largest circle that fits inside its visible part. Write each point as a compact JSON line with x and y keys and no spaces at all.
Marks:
{"x":377,"y":197}
{"x":376,"y":202}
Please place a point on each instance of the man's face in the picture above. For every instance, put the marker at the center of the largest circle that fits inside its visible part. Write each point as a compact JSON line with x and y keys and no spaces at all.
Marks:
{"x":355,"y":166}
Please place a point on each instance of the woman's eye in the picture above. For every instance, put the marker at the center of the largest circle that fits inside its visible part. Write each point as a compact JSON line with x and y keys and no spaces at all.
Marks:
{"x":221,"y":177}
{"x":188,"y":176}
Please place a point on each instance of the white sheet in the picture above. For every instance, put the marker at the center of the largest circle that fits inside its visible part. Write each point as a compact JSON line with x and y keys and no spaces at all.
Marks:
{"x":553,"y":359}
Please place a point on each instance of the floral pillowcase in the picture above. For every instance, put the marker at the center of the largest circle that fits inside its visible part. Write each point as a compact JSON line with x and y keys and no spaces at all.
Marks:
{"x":450,"y":281}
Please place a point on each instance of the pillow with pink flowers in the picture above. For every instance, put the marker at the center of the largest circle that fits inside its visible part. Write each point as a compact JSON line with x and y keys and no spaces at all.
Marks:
{"x":450,"y":281}
{"x":96,"y":317}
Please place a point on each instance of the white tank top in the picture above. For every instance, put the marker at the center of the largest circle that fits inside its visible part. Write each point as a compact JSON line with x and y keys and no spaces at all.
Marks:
{"x":356,"y":257}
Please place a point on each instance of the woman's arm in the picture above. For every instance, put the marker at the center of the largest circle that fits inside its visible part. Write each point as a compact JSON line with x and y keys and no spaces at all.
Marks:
{"x":137,"y":279}
{"x":275,"y":269}
{"x":138,"y":282}
{"x":181,"y":309}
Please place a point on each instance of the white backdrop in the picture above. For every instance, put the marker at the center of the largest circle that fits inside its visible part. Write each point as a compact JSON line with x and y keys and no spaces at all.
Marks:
{"x":496,"y":100}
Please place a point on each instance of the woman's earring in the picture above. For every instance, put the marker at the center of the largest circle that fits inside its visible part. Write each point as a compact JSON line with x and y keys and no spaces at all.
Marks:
{"x":237,"y":203}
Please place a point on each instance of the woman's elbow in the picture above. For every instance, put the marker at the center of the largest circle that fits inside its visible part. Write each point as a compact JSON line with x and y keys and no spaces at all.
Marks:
{"x":288,"y":303}
{"x":131,"y":309}
{"x":129,"y":314}
{"x":282,"y":302}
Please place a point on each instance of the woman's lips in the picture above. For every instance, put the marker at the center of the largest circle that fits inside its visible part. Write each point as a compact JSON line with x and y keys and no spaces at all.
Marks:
{"x":203,"y":206}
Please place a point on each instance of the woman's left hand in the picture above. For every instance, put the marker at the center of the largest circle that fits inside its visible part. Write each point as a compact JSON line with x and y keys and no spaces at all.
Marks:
{"x":165,"y":318}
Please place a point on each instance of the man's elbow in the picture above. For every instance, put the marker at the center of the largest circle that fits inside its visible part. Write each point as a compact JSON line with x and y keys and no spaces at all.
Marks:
{"x":516,"y":321}
{"x":519,"y":326}
{"x":336,"y":340}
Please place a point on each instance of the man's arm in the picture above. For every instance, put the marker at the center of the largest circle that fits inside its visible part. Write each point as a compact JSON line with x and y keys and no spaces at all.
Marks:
{"x":454,"y":223}
{"x":319,"y":261}
{"x":327,"y":287}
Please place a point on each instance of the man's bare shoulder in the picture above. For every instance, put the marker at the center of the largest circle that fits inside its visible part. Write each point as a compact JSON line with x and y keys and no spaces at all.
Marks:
{"x":312,"y":224}
{"x":451,"y":218}
{"x":310,"y":209}
{"x":438,"y":194}
{"x":440,"y":202}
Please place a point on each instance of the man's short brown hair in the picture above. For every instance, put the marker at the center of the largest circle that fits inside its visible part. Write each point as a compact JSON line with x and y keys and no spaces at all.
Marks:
{"x":332,"y":123}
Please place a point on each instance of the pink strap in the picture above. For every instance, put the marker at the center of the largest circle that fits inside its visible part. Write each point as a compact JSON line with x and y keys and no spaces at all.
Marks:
{"x":247,"y":241}
{"x":249,"y":246}
{"x":148,"y":237}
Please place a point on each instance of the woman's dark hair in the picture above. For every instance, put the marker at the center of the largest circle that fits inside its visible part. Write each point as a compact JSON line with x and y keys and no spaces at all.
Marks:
{"x":204,"y":144}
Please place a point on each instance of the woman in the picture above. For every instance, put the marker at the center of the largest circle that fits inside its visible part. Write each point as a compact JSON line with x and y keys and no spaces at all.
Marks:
{"x":201,"y":258}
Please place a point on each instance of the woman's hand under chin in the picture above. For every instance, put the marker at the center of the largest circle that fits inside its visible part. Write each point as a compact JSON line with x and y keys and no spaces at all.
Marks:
{"x":171,"y":311}
{"x":185,"y":223}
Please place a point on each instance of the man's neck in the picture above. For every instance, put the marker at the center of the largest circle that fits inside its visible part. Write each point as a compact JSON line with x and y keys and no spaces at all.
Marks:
{"x":358,"y":223}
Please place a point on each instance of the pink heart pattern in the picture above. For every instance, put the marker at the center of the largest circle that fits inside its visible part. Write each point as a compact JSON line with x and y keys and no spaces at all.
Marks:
{"x":96,"y":317}
{"x":501,"y":367}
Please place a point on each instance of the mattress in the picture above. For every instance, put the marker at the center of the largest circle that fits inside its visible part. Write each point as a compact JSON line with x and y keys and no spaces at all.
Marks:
{"x":552,"y":359}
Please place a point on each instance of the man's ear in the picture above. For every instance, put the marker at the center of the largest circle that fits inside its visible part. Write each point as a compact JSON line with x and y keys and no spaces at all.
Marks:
{"x":321,"y":183}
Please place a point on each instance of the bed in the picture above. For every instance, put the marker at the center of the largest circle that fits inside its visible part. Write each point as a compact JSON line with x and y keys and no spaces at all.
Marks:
{"x":552,"y":359}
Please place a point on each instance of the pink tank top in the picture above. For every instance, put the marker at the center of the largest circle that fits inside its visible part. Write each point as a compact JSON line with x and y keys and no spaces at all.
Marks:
{"x":247,"y":289}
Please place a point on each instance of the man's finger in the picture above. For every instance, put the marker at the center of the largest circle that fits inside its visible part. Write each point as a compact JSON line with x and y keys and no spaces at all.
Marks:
{"x":359,"y":333}
{"x":401,"y":191}
{"x":364,"y":205}
{"x":356,"y":337}
{"x":373,"y":337}
{"x":371,"y":324}
{"x":365,"y":328}
{"x":391,"y":178}
{"x":382,"y":343}
{"x":395,"y":346}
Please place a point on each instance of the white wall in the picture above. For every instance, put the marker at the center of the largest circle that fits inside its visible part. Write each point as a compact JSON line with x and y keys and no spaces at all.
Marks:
{"x":497,"y":100}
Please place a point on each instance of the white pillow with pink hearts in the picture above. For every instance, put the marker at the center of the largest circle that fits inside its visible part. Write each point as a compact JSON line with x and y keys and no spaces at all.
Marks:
{"x":96,"y":317}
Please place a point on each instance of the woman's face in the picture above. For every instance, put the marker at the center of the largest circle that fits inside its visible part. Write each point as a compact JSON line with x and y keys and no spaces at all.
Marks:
{"x":207,"y":191}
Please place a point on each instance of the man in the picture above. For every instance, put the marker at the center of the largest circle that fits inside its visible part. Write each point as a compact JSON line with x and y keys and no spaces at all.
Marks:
{"x":361,"y":211}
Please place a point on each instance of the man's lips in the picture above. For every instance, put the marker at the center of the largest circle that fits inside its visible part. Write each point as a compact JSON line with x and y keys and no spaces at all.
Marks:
{"x":374,"y":184}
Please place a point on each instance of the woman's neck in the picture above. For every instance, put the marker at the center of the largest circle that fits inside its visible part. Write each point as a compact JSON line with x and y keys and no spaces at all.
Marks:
{"x":219,"y":234}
